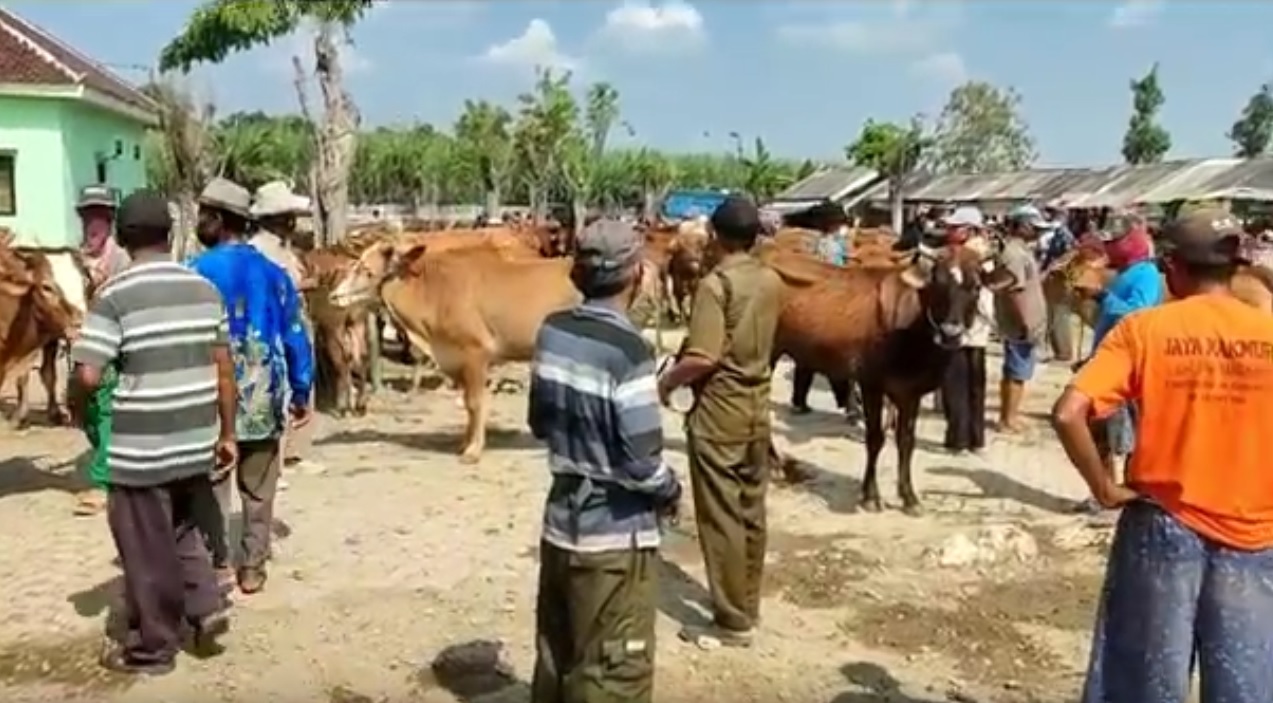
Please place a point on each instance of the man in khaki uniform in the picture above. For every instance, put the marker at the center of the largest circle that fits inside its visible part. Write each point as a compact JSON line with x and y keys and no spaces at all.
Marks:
{"x":727,"y":359}
{"x":275,"y":208}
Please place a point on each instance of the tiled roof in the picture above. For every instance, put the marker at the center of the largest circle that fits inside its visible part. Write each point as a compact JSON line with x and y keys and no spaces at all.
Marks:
{"x":31,"y":56}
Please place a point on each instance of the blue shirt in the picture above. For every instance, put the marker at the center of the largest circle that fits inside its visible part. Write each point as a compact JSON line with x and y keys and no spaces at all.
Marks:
{"x":272,"y":354}
{"x":1062,"y":241}
{"x":1137,"y":287}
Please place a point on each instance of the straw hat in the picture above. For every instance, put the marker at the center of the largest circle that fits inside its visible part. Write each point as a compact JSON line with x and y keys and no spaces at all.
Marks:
{"x":227,"y":195}
{"x":277,"y":198}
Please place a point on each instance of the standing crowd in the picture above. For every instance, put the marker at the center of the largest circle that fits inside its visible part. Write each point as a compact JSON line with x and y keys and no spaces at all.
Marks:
{"x":203,"y":368}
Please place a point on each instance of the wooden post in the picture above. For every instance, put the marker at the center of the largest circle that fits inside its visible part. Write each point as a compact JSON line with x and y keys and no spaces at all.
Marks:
{"x":373,"y":352}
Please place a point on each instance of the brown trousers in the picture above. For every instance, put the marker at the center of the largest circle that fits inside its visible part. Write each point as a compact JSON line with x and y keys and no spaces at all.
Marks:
{"x":594,"y":626}
{"x":168,"y":578}
{"x":729,"y":480}
{"x":256,"y":478}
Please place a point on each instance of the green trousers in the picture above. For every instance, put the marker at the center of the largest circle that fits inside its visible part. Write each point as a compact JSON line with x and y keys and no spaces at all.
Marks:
{"x":97,"y":426}
{"x":730,"y":481}
{"x":594,"y":626}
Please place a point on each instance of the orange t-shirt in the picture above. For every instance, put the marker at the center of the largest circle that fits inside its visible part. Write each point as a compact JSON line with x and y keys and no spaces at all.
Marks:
{"x":1200,"y":370}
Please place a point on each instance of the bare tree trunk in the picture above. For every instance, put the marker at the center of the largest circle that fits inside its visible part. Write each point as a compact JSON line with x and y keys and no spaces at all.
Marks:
{"x":315,"y":162}
{"x":340,"y":133}
{"x":187,"y":221}
{"x":493,"y":203}
{"x":895,"y":203}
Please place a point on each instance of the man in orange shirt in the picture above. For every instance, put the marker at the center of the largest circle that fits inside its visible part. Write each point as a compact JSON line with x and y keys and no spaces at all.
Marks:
{"x":1190,"y":574}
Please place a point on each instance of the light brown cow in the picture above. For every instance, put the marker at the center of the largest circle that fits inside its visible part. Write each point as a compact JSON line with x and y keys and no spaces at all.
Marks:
{"x":73,"y":278}
{"x":343,"y":362}
{"x":33,"y":310}
{"x":472,"y":308}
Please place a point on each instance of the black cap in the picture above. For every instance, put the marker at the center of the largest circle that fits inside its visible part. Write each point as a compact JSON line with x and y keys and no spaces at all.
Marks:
{"x":1206,"y":237}
{"x":144,"y":210}
{"x":736,"y":218}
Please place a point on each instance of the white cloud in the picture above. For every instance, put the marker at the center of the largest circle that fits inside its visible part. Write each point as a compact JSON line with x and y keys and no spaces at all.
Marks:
{"x":646,"y":26}
{"x":1135,"y":13}
{"x":945,"y":67}
{"x":536,"y":47}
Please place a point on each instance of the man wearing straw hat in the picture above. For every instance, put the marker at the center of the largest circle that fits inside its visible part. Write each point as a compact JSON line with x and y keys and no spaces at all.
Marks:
{"x":273,"y":363}
{"x":104,"y":258}
{"x":275,"y":208}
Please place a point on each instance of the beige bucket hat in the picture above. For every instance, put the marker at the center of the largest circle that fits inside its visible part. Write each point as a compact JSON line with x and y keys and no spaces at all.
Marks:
{"x":277,"y":198}
{"x":227,"y":195}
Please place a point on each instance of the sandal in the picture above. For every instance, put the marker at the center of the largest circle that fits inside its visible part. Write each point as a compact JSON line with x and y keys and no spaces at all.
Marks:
{"x":251,"y":580}
{"x":117,"y":660}
{"x":715,"y":637}
{"x":90,"y":502}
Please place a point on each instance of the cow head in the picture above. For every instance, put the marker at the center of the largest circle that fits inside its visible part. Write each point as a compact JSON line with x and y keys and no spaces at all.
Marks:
{"x":949,"y":282}
{"x":361,"y":282}
{"x":27,"y":279}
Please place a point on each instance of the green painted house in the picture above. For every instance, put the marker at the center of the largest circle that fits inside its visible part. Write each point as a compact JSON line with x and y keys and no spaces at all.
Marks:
{"x":65,"y":122}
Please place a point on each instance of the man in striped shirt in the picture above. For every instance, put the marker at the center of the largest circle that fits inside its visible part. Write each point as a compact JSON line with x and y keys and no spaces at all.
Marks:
{"x":163,"y":328}
{"x":594,"y":401}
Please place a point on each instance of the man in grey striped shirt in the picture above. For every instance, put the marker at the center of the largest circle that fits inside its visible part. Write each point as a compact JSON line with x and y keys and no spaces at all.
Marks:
{"x":163,"y":327}
{"x":594,"y":401}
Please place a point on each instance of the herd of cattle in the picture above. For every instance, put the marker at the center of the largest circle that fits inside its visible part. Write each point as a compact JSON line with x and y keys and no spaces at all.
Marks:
{"x":469,"y":300}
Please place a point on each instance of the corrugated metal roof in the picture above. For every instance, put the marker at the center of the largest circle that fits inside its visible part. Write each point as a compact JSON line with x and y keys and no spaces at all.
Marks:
{"x":830,"y":184}
{"x":1188,"y":182}
{"x":1255,"y":174}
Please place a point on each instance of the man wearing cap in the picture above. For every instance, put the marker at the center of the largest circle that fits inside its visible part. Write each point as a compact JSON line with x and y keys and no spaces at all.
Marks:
{"x":833,"y":248}
{"x":164,"y":328}
{"x":1137,"y":285}
{"x":1020,"y":311}
{"x":594,"y":402}
{"x":1187,"y":582}
{"x":727,"y":359}
{"x":963,"y":389}
{"x":274,"y":363}
{"x":275,"y":208}
{"x":104,"y":259}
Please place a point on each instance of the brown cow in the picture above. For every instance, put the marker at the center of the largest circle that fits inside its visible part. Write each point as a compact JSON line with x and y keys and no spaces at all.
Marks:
{"x":73,"y":279}
{"x":343,"y":363}
{"x":893,"y":330}
{"x":473,"y":309}
{"x":33,"y":310}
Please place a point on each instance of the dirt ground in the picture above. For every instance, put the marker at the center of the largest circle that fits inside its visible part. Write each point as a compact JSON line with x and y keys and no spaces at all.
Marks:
{"x":390,"y":554}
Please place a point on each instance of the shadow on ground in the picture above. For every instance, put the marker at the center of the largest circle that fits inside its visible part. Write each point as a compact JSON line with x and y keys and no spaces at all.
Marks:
{"x":993,"y":484}
{"x":876,"y":685}
{"x":20,"y":475}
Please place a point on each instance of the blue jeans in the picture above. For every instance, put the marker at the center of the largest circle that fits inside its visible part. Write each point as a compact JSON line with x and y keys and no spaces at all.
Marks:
{"x":1018,"y":360}
{"x":1173,"y":598}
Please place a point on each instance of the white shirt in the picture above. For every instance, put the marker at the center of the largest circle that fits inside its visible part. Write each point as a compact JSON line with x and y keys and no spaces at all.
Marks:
{"x":978,"y":334}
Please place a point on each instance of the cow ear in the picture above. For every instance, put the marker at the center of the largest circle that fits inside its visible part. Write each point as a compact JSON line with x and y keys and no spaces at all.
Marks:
{"x":915,"y":276}
{"x":995,"y":277}
{"x":12,"y":288}
{"x":409,"y":255}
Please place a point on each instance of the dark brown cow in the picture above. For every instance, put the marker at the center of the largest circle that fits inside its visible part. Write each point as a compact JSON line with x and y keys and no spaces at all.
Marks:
{"x":343,"y":363}
{"x":75,"y":281}
{"x":893,"y":330}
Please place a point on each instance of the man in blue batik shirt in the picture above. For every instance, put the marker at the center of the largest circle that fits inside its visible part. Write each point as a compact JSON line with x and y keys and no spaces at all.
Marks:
{"x":272,"y":364}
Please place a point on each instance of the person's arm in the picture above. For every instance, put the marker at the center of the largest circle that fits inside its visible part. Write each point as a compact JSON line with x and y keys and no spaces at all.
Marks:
{"x":704,"y":340}
{"x":227,"y":386}
{"x":538,"y":407}
{"x":1142,"y":291}
{"x":296,"y":345}
{"x":639,"y":464}
{"x":1103,"y":385}
{"x":96,"y":347}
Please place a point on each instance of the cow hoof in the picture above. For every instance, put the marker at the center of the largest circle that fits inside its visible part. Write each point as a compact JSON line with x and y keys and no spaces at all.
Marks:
{"x":61,"y":419}
{"x":470,"y":458}
{"x":341,"y":414}
{"x":872,"y":505}
{"x":360,"y":412}
{"x":913,"y":510}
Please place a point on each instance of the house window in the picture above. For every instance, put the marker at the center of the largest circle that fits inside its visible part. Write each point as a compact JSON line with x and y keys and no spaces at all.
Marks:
{"x":8,"y":187}
{"x":101,"y":172}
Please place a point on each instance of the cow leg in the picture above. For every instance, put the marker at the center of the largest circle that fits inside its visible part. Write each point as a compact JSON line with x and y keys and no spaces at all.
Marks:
{"x":476,"y":403}
{"x":21,"y":405}
{"x":417,"y":376}
{"x":873,"y":408}
{"x":364,"y":384}
{"x":48,"y":378}
{"x":904,"y":436}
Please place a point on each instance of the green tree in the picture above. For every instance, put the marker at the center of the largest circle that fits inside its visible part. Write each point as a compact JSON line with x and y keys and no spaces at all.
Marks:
{"x":583,"y":152}
{"x":484,"y":138}
{"x":981,"y":130}
{"x":1146,"y":141}
{"x":1253,"y":130}
{"x":894,"y":151}
{"x":219,"y":28}
{"x":548,"y":118}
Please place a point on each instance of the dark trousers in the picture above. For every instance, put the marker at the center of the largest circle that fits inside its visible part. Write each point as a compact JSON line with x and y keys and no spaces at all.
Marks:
{"x":729,"y":481}
{"x":168,"y":578}
{"x":256,"y":478}
{"x":963,"y":394}
{"x":802,"y":383}
{"x":594,"y":626}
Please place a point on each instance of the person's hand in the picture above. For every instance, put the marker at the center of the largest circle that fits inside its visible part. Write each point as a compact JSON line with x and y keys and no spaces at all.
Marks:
{"x":1074,"y":368}
{"x":665,"y":392}
{"x":1114,"y":495}
{"x":670,"y":515}
{"x":301,"y":415}
{"x":227,"y":457}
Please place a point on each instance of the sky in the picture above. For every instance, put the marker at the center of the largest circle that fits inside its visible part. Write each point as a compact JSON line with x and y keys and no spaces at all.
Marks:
{"x":804,"y":76}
